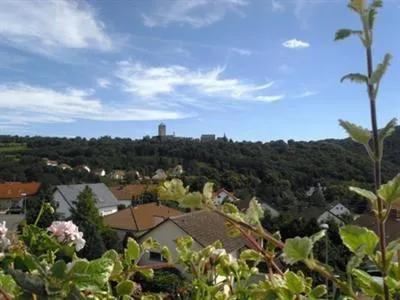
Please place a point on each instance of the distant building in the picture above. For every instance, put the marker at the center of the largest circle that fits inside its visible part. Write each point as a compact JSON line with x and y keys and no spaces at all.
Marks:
{"x":117,"y":174}
{"x":50,"y":163}
{"x":335,"y":213}
{"x":83,"y":168}
{"x":131,"y":192}
{"x":100,"y":172}
{"x":12,"y":194}
{"x":66,"y":195}
{"x":222,"y":196}
{"x":207,"y":137}
{"x":65,"y":167}
{"x":162,"y":130}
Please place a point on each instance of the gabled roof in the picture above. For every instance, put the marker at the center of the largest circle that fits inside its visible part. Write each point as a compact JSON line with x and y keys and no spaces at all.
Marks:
{"x":129,"y":191}
{"x":12,"y":190}
{"x":207,"y":227}
{"x":141,"y":217}
{"x":226,"y":192}
{"x":69,"y":193}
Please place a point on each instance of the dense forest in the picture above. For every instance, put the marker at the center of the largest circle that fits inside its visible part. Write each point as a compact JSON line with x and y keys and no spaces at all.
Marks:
{"x":277,"y":172}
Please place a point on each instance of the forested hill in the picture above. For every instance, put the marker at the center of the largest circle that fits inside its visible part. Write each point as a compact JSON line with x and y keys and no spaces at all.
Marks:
{"x":277,"y":171}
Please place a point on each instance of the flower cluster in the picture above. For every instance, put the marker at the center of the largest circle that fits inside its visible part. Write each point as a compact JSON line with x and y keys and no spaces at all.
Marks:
{"x":4,"y":241}
{"x":3,"y":229}
{"x":67,"y":232}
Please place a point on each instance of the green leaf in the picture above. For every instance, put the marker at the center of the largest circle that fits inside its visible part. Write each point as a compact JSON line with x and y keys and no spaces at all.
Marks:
{"x":125,"y":287}
{"x":355,"y":260}
{"x":393,"y":245}
{"x":252,"y":255}
{"x":208,"y":190}
{"x":172,"y":190}
{"x":345,"y":33}
{"x":317,"y":236}
{"x":192,"y":200}
{"x":381,"y":69}
{"x":78,"y":267}
{"x":148,"y":273}
{"x":357,"y":133}
{"x":297,"y":249}
{"x":114,"y":256}
{"x":100,"y":270}
{"x":132,"y":250}
{"x":29,"y":283}
{"x":357,"y":5}
{"x":387,"y":130}
{"x":8,"y":284}
{"x":294,"y":283}
{"x":150,"y":243}
{"x":58,"y":269}
{"x":318,"y":291}
{"x":255,"y":212}
{"x":370,"y":196}
{"x":390,"y":191}
{"x":355,"y":77}
{"x":230,"y":208}
{"x":354,"y":237}
{"x":367,"y":283}
{"x":166,"y":253}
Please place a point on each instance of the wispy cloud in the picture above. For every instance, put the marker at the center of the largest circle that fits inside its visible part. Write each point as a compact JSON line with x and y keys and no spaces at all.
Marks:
{"x":103,"y":83}
{"x":243,"y":52}
{"x":295,"y":44}
{"x":25,"y":104}
{"x":48,"y":26}
{"x":195,"y":13}
{"x":306,"y":93}
{"x":150,"y":82}
{"x":277,"y":5}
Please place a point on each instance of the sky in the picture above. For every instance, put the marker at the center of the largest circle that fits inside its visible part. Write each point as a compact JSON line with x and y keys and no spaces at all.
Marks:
{"x":255,"y":70}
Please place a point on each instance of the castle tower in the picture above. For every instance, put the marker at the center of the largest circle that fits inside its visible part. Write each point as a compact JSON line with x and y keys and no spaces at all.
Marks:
{"x":162,"y":130}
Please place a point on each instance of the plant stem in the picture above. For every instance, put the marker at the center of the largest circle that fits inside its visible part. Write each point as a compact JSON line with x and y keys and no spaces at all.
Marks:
{"x":377,"y":166}
{"x":39,"y":215}
{"x":4,"y":294}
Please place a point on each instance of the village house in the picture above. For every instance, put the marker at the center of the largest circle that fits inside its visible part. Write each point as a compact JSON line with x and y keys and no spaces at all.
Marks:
{"x":83,"y":168}
{"x":117,"y":174}
{"x":50,"y":163}
{"x":136,"y":220}
{"x":66,"y":195}
{"x":100,"y":172}
{"x":222,"y":196}
{"x":64,"y":166}
{"x":335,"y":213}
{"x":131,"y":192}
{"x":13,"y":194}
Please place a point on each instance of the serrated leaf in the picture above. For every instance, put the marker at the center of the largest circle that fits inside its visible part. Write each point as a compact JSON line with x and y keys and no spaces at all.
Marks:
{"x":252,"y":255}
{"x":172,"y":190}
{"x":192,"y":200}
{"x":254,"y":213}
{"x":230,"y":208}
{"x":370,"y":196}
{"x":357,"y":5}
{"x":355,"y":260}
{"x":125,"y":287}
{"x":100,"y":270}
{"x":390,"y":191}
{"x":317,"y":236}
{"x":78,"y":267}
{"x":294,"y":283}
{"x":355,"y":77}
{"x":297,"y":249}
{"x":318,"y":291}
{"x":114,"y":256}
{"x":381,"y":68}
{"x":354,"y":237}
{"x":58,"y":269}
{"x":357,"y":133}
{"x":393,"y":245}
{"x":148,"y":273}
{"x":345,"y":33}
{"x":8,"y":284}
{"x":208,"y":190}
{"x":367,"y":283}
{"x":132,"y":250}
{"x":166,"y":253}
{"x":387,"y":130}
{"x":150,"y":243}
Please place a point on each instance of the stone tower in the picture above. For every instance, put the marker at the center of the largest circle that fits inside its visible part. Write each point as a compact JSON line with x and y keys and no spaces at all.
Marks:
{"x":162,"y":130}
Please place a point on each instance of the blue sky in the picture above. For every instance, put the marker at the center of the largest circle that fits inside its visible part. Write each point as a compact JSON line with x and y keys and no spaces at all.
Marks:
{"x":253,"y":69}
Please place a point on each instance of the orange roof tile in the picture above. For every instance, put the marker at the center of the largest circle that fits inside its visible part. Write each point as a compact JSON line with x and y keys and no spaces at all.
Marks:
{"x":140,"y":217}
{"x":11,"y":190}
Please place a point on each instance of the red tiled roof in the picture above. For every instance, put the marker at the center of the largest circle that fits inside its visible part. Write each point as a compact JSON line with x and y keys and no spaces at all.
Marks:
{"x":140,"y":217}
{"x":12,"y":190}
{"x":129,"y":192}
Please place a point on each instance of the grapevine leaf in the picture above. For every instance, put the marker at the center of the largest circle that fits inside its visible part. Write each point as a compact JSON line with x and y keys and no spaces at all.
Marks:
{"x":372,"y":198}
{"x":125,"y":287}
{"x":294,"y":283}
{"x":357,"y":133}
{"x":172,"y":190}
{"x":345,"y":33}
{"x":254,"y":212}
{"x":381,"y":69}
{"x":297,"y":249}
{"x":355,"y":77}
{"x":354,"y":237}
{"x":390,"y":191}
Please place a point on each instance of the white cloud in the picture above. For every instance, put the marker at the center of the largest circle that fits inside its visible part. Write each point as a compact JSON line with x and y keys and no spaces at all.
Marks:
{"x":196,"y":13}
{"x":51,"y":25}
{"x":295,"y":43}
{"x":24,"y":104}
{"x":244,"y":52}
{"x":277,"y":5}
{"x":150,"y":82}
{"x":103,"y":83}
{"x":305,"y":94}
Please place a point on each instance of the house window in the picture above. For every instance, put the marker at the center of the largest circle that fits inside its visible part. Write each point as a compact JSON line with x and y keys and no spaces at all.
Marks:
{"x":156,"y":256}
